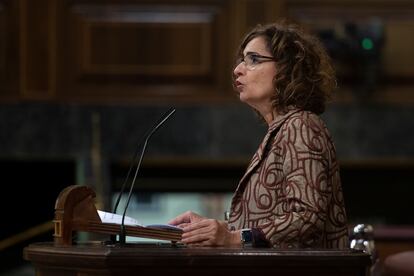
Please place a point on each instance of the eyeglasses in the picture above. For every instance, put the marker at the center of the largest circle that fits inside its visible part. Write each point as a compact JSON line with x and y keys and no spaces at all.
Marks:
{"x":252,"y":60}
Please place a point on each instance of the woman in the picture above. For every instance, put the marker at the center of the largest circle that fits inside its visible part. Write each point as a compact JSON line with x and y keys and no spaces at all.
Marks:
{"x":290,"y":196}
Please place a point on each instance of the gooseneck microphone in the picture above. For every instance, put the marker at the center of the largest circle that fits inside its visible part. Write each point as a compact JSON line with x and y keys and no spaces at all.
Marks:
{"x":157,"y":125}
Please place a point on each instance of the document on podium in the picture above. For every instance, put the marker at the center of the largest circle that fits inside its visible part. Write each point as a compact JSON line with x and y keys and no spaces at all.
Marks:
{"x":107,"y":217}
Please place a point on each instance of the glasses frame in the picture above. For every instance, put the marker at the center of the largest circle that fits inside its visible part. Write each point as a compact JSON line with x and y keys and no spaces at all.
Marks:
{"x":261,"y":59}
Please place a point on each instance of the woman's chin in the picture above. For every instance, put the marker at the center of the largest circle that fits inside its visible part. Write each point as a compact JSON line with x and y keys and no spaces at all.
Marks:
{"x":242,"y":97}
{"x":247,"y":101}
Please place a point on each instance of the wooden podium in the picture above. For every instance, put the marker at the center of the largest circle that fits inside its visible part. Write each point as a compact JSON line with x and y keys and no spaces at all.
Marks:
{"x":75,"y":211}
{"x":166,"y":259}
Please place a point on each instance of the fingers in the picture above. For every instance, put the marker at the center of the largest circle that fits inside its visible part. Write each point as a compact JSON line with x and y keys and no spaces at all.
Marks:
{"x":201,"y":224}
{"x":182,"y":225}
{"x":197,"y":236}
{"x":197,"y":241}
{"x":187,"y":217}
{"x":201,"y":233}
{"x":180,"y":219}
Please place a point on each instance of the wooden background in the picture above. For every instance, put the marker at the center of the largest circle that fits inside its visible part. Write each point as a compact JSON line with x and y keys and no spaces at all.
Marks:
{"x":157,"y":51}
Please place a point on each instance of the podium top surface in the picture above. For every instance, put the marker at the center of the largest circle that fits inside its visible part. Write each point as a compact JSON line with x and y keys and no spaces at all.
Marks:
{"x":92,"y":259}
{"x":175,"y":255}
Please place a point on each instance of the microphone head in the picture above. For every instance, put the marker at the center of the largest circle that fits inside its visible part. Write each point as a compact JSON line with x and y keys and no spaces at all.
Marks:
{"x":161,"y":121}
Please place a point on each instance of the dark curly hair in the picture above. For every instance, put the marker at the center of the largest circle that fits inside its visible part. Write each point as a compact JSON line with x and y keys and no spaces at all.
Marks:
{"x":304,"y":76}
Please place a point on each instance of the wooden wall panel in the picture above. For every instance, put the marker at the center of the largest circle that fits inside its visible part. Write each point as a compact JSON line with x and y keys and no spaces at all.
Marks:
{"x":35,"y":48}
{"x":171,"y":50}
{"x":398,"y":52}
{"x":141,"y":53}
{"x":9,"y":60}
{"x":145,"y":45}
{"x":396,"y":18}
{"x":397,"y":21}
{"x":3,"y":42}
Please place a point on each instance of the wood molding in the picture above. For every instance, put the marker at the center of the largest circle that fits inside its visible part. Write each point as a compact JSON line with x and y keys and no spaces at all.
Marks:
{"x":37,"y":49}
{"x":9,"y":57}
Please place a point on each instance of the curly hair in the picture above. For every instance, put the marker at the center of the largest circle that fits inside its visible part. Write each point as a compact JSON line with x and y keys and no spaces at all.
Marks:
{"x":305,"y":77}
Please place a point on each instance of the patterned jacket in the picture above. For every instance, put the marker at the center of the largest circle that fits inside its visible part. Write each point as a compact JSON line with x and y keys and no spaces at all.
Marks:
{"x":291,"y":195}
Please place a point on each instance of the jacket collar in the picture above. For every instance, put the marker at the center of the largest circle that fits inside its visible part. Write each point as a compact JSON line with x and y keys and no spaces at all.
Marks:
{"x":260,"y":153}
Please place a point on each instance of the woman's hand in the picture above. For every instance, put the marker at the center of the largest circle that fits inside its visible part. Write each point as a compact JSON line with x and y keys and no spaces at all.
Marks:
{"x":185,"y":219}
{"x":202,"y":231}
{"x":210,"y":232}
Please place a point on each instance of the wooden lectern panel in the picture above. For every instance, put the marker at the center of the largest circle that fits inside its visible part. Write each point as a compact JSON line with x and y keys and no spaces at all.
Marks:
{"x":155,"y":259}
{"x":75,"y":211}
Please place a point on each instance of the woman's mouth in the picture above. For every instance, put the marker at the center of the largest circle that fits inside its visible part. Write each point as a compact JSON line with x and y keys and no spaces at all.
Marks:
{"x":239,"y":85}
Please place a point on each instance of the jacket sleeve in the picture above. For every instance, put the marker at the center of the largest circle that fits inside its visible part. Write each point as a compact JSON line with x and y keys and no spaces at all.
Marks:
{"x":301,"y":209}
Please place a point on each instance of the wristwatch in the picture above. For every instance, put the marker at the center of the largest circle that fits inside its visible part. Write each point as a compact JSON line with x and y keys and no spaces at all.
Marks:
{"x":246,"y":237}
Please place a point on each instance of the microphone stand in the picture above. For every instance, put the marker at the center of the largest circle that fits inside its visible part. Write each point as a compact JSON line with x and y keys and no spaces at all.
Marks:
{"x":134,"y":158}
{"x":122,"y":234}
{"x":146,"y":136}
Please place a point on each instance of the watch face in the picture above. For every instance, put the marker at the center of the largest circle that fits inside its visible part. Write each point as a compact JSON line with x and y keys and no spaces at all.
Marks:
{"x":246,"y":236}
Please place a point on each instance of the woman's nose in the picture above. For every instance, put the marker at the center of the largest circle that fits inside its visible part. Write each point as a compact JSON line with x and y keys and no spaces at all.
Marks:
{"x":238,"y":70}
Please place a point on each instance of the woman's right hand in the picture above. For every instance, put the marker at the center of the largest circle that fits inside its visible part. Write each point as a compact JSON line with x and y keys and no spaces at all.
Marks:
{"x":186,"y":218}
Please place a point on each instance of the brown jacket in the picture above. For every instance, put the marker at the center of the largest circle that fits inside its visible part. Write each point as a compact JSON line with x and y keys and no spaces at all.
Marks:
{"x":291,"y":194}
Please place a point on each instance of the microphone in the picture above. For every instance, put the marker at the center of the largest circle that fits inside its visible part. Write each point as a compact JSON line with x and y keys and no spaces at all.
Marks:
{"x":150,"y":132}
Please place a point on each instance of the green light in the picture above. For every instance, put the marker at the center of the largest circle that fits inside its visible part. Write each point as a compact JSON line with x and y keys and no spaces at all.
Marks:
{"x":367,"y":44}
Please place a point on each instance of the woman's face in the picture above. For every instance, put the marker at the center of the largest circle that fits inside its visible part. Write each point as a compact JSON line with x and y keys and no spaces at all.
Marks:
{"x":254,"y":76}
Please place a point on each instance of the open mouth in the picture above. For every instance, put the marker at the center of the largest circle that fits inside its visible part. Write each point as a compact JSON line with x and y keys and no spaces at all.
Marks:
{"x":238,"y":84}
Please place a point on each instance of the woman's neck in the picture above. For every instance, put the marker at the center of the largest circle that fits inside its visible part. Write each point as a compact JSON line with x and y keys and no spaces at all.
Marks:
{"x":270,"y":116}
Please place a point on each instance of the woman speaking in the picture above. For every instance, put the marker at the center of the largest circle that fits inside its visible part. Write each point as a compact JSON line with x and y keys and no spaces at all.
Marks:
{"x":290,"y":195}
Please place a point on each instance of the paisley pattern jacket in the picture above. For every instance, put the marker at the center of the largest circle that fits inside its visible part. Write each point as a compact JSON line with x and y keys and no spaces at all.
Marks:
{"x":291,"y":193}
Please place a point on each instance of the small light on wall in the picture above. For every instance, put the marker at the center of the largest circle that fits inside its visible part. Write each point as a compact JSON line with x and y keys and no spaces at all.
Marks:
{"x":367,"y":44}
